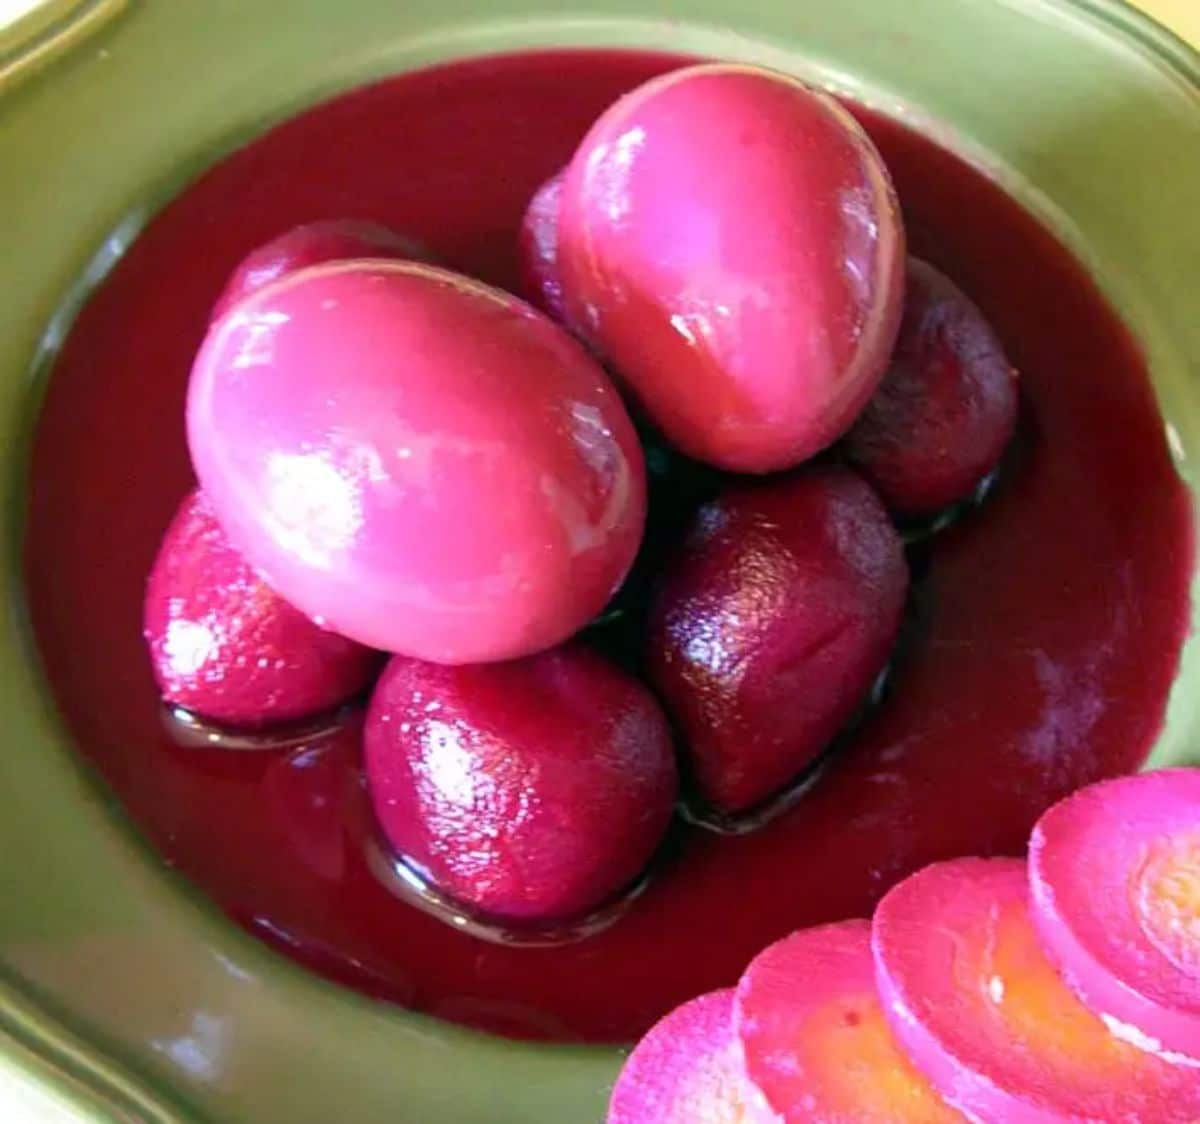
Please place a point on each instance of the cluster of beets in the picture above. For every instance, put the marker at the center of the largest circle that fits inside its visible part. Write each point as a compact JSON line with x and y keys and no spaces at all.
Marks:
{"x":1065,"y":990}
{"x":397,"y":458}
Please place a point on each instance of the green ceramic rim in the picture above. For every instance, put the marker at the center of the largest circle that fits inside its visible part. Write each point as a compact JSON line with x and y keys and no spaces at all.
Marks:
{"x":47,"y":31}
{"x":50,"y":1034}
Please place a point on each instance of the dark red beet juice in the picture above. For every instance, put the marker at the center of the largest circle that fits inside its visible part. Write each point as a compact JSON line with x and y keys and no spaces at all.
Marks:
{"x":1047,"y":625}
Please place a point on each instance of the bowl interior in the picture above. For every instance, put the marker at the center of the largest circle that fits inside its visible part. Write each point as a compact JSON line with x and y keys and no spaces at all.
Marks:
{"x":116,"y":982}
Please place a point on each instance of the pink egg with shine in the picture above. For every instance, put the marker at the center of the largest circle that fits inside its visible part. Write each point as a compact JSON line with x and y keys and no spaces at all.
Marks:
{"x":731,"y":242}
{"x":416,"y":460}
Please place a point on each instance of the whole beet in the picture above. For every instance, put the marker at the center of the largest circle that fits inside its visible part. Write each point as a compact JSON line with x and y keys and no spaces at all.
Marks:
{"x":226,"y":646}
{"x":529,"y":790}
{"x":771,"y":625}
{"x":947,"y":405}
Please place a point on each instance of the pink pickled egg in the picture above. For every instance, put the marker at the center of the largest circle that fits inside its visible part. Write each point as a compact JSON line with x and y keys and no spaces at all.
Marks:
{"x":815,"y":1039}
{"x":982,"y":1012}
{"x":311,"y":244}
{"x":688,"y":1070}
{"x":420,"y":462}
{"x":541,"y":280}
{"x":224,"y":645}
{"x":731,"y":241}
{"x":769,"y":627}
{"x":1115,"y":880}
{"x":535,"y":789}
{"x":947,"y":407}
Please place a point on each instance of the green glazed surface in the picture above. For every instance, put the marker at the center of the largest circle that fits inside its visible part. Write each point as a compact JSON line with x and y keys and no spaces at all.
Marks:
{"x":124,"y":995}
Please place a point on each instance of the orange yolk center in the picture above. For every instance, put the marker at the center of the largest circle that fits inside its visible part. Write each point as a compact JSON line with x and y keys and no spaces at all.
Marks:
{"x":1165,"y":891}
{"x":858,"y":1069}
{"x":1021,"y":995}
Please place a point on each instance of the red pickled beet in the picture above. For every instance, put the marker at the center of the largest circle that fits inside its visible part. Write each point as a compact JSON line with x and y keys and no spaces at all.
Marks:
{"x":731,"y":241}
{"x":946,"y":407}
{"x":312,"y":244}
{"x":688,"y":1070}
{"x":983,"y":1013}
{"x":224,"y":645}
{"x":815,"y":1039}
{"x":772,"y":624}
{"x":530,"y":790}
{"x":423,"y":463}
{"x":541,"y":280}
{"x":1115,"y":880}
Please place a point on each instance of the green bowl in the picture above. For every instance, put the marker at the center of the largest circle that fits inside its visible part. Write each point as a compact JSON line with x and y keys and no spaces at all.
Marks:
{"x":123,"y":996}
